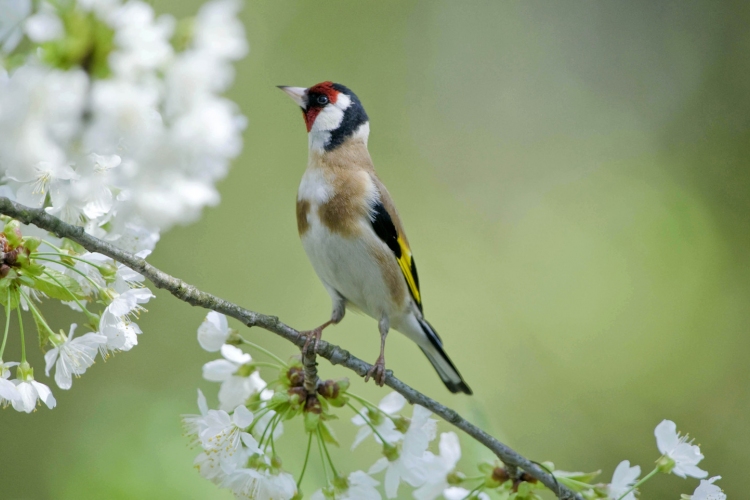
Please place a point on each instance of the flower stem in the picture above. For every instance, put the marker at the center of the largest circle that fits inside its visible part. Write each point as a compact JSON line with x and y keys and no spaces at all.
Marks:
{"x":88,"y":314}
{"x":266,"y":364}
{"x":72,"y":268}
{"x":475,"y":490}
{"x":261,"y":412}
{"x":269,"y":426}
{"x":372,"y":406}
{"x":307,"y":456}
{"x":7,"y":325}
{"x":574,"y":483}
{"x":382,"y":440}
{"x":65,"y":255}
{"x":60,"y":250}
{"x":325,"y":447}
{"x":23,"y":341}
{"x":322,"y":458}
{"x":264,"y":351}
{"x":273,"y":431}
{"x":35,"y":312}
{"x":639,"y":483}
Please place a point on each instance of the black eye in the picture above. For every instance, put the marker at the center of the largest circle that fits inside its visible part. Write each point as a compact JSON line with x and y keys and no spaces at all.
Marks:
{"x":322,"y":100}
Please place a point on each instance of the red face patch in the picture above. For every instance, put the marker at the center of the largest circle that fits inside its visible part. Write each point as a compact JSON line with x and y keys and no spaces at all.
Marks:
{"x":313,"y":106}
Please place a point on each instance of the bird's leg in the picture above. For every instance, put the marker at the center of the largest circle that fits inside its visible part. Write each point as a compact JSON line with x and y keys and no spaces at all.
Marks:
{"x":377,"y":372}
{"x":339,"y":308}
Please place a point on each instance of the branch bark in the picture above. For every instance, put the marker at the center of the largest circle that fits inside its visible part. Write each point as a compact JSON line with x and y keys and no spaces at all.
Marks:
{"x":333,"y":353}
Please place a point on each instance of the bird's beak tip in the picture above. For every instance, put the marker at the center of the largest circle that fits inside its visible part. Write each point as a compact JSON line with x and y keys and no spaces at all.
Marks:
{"x":298,"y":94}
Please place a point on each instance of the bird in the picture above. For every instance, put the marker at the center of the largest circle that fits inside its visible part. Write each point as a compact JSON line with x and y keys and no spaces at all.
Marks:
{"x":352,"y":233}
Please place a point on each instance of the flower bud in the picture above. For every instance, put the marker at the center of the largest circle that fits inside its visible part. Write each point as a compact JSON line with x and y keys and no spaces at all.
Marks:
{"x":390,"y":452}
{"x":341,"y":483}
{"x":665,"y":464}
{"x":296,"y":397}
{"x":25,"y":371}
{"x":311,"y":421}
{"x":313,"y":405}
{"x":499,"y":475}
{"x":334,"y":391}
{"x":31,"y":243}
{"x":402,"y":424}
{"x":57,"y":339}
{"x":295,"y":376}
{"x":12,"y":232}
{"x":234,"y":337}
{"x":375,"y":417}
{"x":525,"y":476}
{"x":454,"y":478}
{"x":522,"y":489}
{"x":108,"y":271}
{"x":279,"y":398}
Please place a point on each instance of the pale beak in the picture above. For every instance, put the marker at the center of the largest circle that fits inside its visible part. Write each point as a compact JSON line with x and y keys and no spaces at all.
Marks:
{"x":298,"y":95}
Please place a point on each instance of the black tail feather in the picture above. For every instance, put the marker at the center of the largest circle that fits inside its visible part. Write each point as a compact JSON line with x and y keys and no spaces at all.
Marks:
{"x":442,"y":363}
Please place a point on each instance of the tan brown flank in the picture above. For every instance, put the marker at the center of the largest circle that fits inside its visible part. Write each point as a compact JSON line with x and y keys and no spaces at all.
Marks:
{"x":392,"y":276}
{"x":303,"y":208}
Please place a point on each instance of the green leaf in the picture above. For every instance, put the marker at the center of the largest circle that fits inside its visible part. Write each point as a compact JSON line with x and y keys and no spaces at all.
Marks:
{"x":12,"y":232}
{"x":31,"y":243}
{"x":26,"y":280}
{"x":47,"y":285}
{"x":327,"y":433}
{"x":583,"y":477}
{"x":14,"y":296}
{"x":41,"y":329}
{"x":72,"y":247}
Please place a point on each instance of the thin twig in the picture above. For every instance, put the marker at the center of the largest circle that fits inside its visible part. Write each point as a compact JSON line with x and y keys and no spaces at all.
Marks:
{"x":333,"y":353}
{"x":311,"y":371}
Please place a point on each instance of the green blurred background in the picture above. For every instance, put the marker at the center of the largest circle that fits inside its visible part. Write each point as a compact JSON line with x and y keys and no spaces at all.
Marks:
{"x":574,"y":179}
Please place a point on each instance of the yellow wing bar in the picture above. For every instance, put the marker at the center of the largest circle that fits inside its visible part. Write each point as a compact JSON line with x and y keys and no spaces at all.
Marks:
{"x":409,"y":270}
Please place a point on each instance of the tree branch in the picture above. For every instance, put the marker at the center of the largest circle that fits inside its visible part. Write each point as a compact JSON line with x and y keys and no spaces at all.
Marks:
{"x":336,"y":355}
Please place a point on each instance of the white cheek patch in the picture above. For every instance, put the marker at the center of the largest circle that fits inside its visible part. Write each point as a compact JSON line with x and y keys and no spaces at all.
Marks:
{"x":328,"y":119}
{"x":332,"y":115}
{"x":343,"y":101}
{"x":362,"y":132}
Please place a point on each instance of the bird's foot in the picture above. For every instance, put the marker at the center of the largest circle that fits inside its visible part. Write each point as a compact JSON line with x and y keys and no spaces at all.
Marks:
{"x":377,"y":372}
{"x":311,"y":335}
{"x":314,"y":334}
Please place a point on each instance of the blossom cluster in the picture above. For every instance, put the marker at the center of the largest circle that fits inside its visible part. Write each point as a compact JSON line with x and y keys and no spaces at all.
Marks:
{"x":33,"y":269}
{"x":112,"y":119}
{"x":238,"y":440}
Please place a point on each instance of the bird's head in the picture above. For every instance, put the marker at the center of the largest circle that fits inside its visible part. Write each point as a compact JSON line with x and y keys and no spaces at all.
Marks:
{"x":332,"y":114}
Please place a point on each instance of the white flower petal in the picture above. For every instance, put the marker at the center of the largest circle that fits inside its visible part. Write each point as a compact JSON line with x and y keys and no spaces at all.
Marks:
{"x":666,"y":436}
{"x":235,"y":354}
{"x":8,"y":391}
{"x":213,"y":332}
{"x":392,"y":403}
{"x":242,"y":417}
{"x":202,"y":404}
{"x":219,"y":370}
{"x":450,"y":448}
{"x":45,"y":395}
{"x":28,"y":397}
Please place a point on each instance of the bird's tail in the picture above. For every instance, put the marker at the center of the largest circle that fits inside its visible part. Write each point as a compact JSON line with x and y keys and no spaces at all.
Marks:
{"x":440,"y":360}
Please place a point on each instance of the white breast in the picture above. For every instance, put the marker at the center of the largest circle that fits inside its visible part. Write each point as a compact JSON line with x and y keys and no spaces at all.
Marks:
{"x":347,"y":264}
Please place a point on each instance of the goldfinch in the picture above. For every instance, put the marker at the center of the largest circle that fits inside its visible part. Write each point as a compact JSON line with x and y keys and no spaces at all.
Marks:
{"x":352,"y":233}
